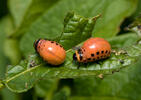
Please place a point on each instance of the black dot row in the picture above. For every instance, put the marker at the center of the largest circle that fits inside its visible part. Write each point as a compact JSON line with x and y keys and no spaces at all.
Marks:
{"x":56,"y":43}
{"x":97,"y":53}
{"x":96,"y":58}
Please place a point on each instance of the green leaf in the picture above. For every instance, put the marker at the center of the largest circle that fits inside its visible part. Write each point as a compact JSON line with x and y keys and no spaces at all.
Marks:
{"x":76,"y":26}
{"x":12,"y":50}
{"x":1,"y":84}
{"x":2,"y":56}
{"x":5,"y":28}
{"x":27,"y":11}
{"x":113,"y":16}
{"x":18,"y":9}
{"x":8,"y":95}
{"x":124,"y":40}
{"x":46,"y":88}
{"x":25,"y":76}
{"x":50,"y":25}
{"x":138,"y":10}
{"x":62,"y":94}
{"x":87,"y":81}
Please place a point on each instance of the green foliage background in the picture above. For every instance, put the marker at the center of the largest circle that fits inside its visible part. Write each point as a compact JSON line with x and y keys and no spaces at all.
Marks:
{"x":69,"y":22}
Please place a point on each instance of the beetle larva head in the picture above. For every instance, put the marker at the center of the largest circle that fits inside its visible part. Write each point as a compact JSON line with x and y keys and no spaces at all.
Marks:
{"x":36,"y":44}
{"x":78,"y":55}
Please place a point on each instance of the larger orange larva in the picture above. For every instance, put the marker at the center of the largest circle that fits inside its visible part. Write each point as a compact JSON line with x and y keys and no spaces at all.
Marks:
{"x":93,"y":49}
{"x":50,"y":51}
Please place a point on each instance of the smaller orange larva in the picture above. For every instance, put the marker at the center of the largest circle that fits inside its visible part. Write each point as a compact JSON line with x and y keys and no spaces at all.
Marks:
{"x":93,"y":49}
{"x":52,"y":52}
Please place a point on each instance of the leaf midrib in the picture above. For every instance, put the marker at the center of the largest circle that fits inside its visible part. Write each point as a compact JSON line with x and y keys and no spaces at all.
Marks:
{"x":22,"y":73}
{"x":26,"y":71}
{"x":30,"y":69}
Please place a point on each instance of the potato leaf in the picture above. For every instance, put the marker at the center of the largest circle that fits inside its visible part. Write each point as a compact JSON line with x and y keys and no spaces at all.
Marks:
{"x":76,"y":29}
{"x":34,"y":69}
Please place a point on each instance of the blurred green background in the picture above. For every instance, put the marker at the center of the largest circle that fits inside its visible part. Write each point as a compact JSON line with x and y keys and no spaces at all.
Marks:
{"x":23,"y":21}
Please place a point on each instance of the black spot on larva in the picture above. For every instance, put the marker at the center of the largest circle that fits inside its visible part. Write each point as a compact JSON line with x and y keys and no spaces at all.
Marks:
{"x":102,"y":52}
{"x":97,"y":57}
{"x":84,"y":49}
{"x":89,"y":58}
{"x":60,"y":46}
{"x":92,"y":55}
{"x":57,"y":44}
{"x":79,"y":51}
{"x":52,"y":41}
{"x":106,"y":51}
{"x":97,"y":53}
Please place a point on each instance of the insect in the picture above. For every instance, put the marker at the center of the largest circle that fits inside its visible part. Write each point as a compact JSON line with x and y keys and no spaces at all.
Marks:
{"x":93,"y":49}
{"x":52,"y":52}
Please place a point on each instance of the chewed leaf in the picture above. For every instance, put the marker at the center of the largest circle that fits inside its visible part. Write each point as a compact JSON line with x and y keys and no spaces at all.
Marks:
{"x":76,"y":29}
{"x":30,"y":75}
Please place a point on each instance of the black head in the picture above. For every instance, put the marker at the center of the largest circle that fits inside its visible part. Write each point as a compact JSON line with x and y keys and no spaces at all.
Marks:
{"x":36,"y":44}
{"x":74,"y":57}
{"x":78,"y":54}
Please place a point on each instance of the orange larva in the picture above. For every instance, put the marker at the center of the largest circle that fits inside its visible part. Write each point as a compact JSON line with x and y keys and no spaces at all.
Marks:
{"x":93,"y":49}
{"x":52,"y":52}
